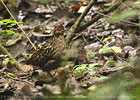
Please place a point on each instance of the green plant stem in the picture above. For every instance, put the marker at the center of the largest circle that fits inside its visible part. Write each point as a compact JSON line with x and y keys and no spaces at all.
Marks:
{"x":3,"y":50}
{"x":78,"y":22}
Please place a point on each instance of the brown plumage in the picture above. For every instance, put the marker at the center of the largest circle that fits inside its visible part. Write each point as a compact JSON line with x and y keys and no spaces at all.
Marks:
{"x":49,"y":56}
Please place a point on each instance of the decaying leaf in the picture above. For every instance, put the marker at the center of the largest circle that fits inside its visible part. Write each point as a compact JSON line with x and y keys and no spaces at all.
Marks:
{"x":117,"y":50}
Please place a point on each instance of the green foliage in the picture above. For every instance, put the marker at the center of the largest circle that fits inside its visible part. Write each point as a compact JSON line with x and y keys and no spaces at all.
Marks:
{"x":94,"y":65}
{"x":12,"y":62}
{"x":10,"y":30}
{"x":92,"y":73}
{"x":121,"y":86}
{"x":10,"y":75}
{"x":107,"y":38}
{"x":85,"y":83}
{"x":90,"y":54}
{"x":124,"y":85}
{"x":105,"y":50}
{"x":80,"y":69}
{"x":7,"y":33}
{"x":6,"y":59}
{"x":9,"y":22}
{"x":111,"y":63}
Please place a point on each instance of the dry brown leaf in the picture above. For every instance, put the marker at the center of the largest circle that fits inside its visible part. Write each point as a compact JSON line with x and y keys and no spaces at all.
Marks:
{"x":117,"y":50}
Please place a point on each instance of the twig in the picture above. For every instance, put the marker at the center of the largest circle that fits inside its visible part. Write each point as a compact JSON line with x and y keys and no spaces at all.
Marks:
{"x":18,"y":79}
{"x":78,"y":22}
{"x":98,"y":16}
{"x":18,"y":24}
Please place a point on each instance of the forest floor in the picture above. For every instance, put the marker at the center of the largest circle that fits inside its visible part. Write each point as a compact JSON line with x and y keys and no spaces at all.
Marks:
{"x":103,"y":50}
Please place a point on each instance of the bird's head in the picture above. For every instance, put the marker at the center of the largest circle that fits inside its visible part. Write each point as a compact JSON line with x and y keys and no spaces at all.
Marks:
{"x":58,"y":29}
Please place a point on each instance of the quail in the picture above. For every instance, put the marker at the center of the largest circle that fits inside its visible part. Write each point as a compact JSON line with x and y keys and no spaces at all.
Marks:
{"x":49,"y":56}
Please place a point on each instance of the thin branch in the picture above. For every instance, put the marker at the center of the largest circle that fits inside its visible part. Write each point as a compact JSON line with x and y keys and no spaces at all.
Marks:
{"x":18,"y":24}
{"x":98,"y":16}
{"x":79,"y":20}
{"x":18,"y":79}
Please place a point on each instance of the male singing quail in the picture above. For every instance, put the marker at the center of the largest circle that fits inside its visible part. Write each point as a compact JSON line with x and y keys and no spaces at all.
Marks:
{"x":49,"y":56}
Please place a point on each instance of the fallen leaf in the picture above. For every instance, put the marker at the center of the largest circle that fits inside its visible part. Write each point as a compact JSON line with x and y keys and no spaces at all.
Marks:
{"x":117,"y":50}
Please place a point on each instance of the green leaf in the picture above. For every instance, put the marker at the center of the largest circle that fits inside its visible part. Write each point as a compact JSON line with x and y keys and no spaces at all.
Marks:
{"x":5,"y":61}
{"x":78,"y":73}
{"x":12,"y":62}
{"x":90,"y":54}
{"x":10,"y":74}
{"x":85,"y":83}
{"x":92,"y":72}
{"x":8,"y":21}
{"x":111,"y":62}
{"x":105,"y":50}
{"x":93,"y":65}
{"x":106,"y":39}
{"x":80,"y":67}
{"x":7,"y":33}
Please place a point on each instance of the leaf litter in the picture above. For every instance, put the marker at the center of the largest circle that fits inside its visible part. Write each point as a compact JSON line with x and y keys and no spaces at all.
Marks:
{"x":98,"y":64}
